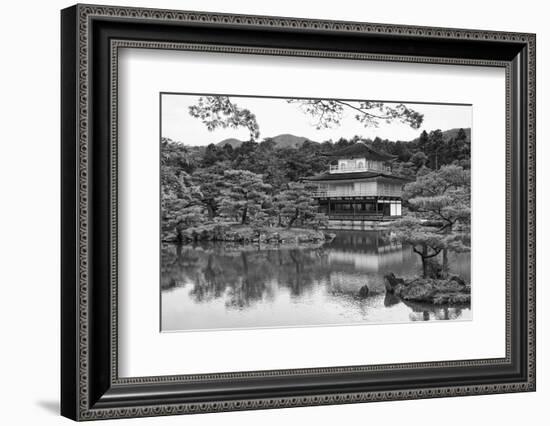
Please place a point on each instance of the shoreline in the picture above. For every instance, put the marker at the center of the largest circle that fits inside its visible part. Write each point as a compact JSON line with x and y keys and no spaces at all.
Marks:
{"x":237,"y":233}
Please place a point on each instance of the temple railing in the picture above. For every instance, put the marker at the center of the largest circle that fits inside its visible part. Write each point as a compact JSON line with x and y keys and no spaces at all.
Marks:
{"x":379,"y":192}
{"x":360,"y":216}
{"x":335,"y":168}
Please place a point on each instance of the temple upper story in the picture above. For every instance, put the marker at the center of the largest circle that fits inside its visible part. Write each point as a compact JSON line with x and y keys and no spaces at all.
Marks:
{"x":359,"y":157}
{"x":359,"y":185}
{"x":349,"y":165}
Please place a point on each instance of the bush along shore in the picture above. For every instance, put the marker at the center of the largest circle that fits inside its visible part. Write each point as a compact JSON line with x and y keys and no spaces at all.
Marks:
{"x":248,"y":234}
{"x":449,"y":291}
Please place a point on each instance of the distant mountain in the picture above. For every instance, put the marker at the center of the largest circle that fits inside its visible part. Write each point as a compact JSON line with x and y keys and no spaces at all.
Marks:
{"x":231,"y":141}
{"x":451,"y":133}
{"x":285,"y":140}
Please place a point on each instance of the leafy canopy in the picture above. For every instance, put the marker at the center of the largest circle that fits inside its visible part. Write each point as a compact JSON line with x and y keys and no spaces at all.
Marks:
{"x":222,"y":112}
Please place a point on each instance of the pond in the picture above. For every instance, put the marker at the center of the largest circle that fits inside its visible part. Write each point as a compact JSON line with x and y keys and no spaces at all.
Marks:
{"x":233,"y":286}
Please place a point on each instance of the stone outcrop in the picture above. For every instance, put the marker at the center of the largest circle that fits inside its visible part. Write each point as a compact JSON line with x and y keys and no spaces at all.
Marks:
{"x":451,"y":291}
{"x":364,"y":292}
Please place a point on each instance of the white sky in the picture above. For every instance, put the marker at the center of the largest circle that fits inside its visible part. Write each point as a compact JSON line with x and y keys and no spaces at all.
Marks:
{"x":276,"y":116}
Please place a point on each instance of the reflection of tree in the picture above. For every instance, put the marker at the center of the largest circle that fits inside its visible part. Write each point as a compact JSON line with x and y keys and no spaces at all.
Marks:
{"x":424,"y":312}
{"x":213,"y":275}
{"x":242,"y":275}
{"x":296,"y":281}
{"x":172,"y":263}
{"x":391,"y":300}
{"x":249,"y":288}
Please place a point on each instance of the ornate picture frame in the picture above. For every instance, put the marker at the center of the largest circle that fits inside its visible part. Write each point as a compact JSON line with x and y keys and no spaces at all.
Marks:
{"x":91,"y":37}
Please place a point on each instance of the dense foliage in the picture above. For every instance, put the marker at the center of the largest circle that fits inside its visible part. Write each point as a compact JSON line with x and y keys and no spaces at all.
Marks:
{"x":255,"y":184}
{"x":260,"y":184}
{"x":439,"y":217}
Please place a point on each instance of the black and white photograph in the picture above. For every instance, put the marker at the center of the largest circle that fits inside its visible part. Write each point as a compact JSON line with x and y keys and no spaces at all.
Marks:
{"x":293,"y":212}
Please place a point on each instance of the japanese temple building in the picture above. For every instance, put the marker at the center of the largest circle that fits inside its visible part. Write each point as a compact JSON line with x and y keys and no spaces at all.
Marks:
{"x":359,"y":186}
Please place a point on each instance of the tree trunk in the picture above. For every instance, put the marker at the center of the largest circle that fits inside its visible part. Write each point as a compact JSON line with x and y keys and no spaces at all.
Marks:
{"x":210,"y":211}
{"x":179,"y":235}
{"x":296,"y":286}
{"x":445,"y":261}
{"x":209,"y":273}
{"x":291,"y":222}
{"x":424,"y":261}
{"x":245,"y":263}
{"x":424,"y":267}
{"x":424,"y":255}
{"x":243,"y":217}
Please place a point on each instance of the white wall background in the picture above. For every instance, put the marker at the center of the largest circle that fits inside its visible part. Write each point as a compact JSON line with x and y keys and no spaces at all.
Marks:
{"x":29,"y":213}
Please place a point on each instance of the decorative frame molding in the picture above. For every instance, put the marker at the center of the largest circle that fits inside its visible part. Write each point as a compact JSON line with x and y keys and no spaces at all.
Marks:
{"x":91,"y":388}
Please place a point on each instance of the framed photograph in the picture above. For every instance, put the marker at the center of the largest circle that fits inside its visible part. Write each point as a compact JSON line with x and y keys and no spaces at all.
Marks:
{"x":263,"y":212}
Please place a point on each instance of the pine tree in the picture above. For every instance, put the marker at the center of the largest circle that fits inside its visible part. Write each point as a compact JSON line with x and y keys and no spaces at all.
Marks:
{"x":439,"y":217}
{"x":297,"y":205}
{"x":210,"y":181}
{"x":433,"y":148}
{"x":181,"y":206}
{"x":243,"y":194}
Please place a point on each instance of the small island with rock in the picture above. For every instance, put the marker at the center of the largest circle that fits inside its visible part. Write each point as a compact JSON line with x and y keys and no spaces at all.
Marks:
{"x":452,"y":290}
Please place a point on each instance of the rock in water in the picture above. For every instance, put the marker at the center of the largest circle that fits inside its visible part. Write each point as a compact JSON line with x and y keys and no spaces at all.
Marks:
{"x":364,"y":291}
{"x":329,"y":237}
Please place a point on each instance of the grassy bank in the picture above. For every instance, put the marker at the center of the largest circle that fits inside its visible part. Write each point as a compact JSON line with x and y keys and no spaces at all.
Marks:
{"x":248,"y":234}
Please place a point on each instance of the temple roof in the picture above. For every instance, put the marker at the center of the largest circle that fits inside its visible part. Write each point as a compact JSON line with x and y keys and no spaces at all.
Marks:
{"x":354,"y":175}
{"x":360,"y":150}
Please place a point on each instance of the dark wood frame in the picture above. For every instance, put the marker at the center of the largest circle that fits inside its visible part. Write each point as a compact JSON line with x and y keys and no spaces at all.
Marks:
{"x":90,"y":386}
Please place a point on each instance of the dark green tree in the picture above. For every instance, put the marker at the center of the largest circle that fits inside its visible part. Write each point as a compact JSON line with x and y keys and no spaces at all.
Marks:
{"x":297,"y":205}
{"x":176,"y":156}
{"x":243,"y":194}
{"x":433,"y":148}
{"x":422,"y":143}
{"x":210,"y":181}
{"x":458,"y":149}
{"x":181,"y":206}
{"x":419,"y":160}
{"x":439,"y":220}
{"x":214,"y":154}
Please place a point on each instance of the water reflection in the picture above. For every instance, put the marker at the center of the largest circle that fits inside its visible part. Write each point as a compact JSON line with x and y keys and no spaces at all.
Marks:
{"x":225,"y":285}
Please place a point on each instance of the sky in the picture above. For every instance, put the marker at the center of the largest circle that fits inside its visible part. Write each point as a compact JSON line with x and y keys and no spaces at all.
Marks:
{"x":276,"y":116}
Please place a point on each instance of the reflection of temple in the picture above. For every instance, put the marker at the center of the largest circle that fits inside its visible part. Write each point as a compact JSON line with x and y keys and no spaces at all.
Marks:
{"x":370,"y":262}
{"x":362,"y":258}
{"x":369,"y":252}
{"x":359,"y":187}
